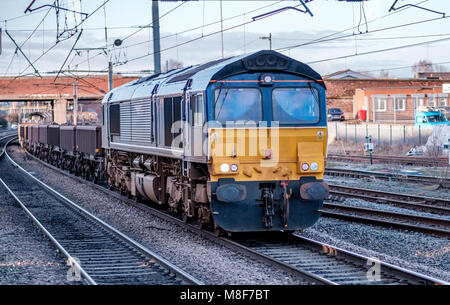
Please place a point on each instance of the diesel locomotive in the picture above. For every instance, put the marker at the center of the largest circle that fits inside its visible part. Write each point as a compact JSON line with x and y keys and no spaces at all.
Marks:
{"x":236,"y":144}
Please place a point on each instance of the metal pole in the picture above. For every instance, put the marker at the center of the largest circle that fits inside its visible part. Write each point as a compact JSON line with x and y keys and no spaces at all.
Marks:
{"x":404,"y":134}
{"x":221,"y":26}
{"x":390,"y":135}
{"x":346,"y":133}
{"x":156,"y":37}
{"x":110,"y":76}
{"x":420,"y":138}
{"x":75,"y":104}
{"x":378,"y":134}
{"x":335,"y":124}
{"x":270,"y":41}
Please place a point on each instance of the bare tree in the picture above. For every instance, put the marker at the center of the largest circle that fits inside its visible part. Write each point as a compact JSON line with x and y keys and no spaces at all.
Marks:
{"x":384,"y":74}
{"x":172,"y":64}
{"x":13,"y":117}
{"x":422,"y":65}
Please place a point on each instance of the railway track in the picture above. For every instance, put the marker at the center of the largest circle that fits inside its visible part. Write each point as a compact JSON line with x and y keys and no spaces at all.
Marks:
{"x":329,"y":264}
{"x":4,"y":139}
{"x":351,"y":173}
{"x":419,"y":203}
{"x":312,"y":261}
{"x":429,"y":225}
{"x":418,"y":161}
{"x":97,"y":253}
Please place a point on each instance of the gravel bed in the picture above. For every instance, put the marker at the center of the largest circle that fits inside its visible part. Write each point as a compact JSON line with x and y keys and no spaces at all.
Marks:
{"x":26,"y":255}
{"x":411,"y":250}
{"x":206,"y":260}
{"x":395,"y":186}
{"x":355,"y":202}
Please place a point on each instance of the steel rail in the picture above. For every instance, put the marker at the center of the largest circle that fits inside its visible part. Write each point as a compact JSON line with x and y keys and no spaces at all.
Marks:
{"x":69,"y":257}
{"x":342,"y":267}
{"x":4,"y":147}
{"x":343,"y":172}
{"x":431,"y":204}
{"x":135,"y":245}
{"x":235,"y":245}
{"x":395,"y":269}
{"x":423,"y":161}
{"x":438,"y":226}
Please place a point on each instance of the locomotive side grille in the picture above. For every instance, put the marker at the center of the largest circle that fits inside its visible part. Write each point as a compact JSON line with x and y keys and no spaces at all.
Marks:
{"x":125,"y":122}
{"x":141,"y":121}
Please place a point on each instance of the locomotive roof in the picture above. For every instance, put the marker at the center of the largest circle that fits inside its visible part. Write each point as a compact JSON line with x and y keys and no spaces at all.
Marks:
{"x":174,"y":81}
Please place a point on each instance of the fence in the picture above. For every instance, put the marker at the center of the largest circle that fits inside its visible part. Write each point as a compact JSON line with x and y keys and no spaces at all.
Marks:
{"x":401,"y":107}
{"x":380,"y":133}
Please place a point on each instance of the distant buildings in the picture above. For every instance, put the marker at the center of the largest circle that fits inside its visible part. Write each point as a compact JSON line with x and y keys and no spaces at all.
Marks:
{"x":385,"y":100}
{"x":347,"y":74}
{"x":434,"y":75}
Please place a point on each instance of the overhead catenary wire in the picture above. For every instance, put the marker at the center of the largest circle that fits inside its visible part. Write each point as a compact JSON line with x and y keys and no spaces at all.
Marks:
{"x":282,"y":49}
{"x":212,"y":34}
{"x":373,"y":38}
{"x":28,"y":38}
{"x":379,"y":51}
{"x":239,"y":25}
{"x":55,"y":44}
{"x":190,"y":29}
{"x":348,"y":29}
{"x":197,"y":38}
{"x":308,"y":43}
{"x":402,"y":67}
{"x":151,"y":23}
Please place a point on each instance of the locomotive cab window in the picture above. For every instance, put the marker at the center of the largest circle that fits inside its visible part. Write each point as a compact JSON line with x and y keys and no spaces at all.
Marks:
{"x":198,"y":110}
{"x":237,"y":104}
{"x":295,"y":105}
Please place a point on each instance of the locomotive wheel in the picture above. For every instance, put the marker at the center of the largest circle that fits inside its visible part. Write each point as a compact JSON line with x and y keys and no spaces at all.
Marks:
{"x":218,"y":232}
{"x":186,"y":218}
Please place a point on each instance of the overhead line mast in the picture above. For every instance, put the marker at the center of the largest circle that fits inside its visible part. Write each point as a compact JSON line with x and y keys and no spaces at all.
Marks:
{"x":156,"y":37}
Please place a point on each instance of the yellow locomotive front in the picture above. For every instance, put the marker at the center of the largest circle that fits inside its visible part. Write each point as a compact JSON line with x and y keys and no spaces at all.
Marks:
{"x":267,"y":142}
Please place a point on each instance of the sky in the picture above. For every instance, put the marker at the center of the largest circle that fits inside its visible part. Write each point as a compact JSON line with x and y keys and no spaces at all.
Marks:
{"x":188,"y":25}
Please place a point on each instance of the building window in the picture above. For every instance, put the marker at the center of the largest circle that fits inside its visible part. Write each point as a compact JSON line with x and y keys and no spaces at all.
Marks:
{"x":431,"y":101}
{"x":442,"y":101}
{"x":400,"y":103}
{"x":418,"y":101}
{"x":380,"y":103}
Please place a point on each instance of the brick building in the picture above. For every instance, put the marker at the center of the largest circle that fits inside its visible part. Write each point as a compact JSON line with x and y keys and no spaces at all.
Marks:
{"x":58,"y":95}
{"x":397,"y":104}
{"x":352,"y":95}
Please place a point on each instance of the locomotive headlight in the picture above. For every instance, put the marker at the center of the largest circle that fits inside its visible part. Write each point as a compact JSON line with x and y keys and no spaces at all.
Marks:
{"x":305,"y":166}
{"x":266,"y":79}
{"x":234,"y":167}
{"x":314,"y":166}
{"x":224,"y":167}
